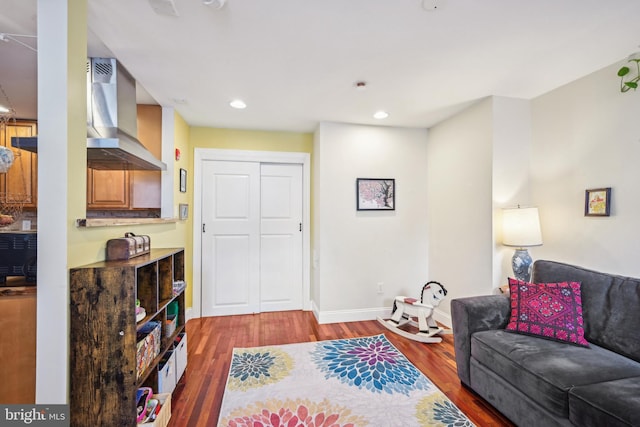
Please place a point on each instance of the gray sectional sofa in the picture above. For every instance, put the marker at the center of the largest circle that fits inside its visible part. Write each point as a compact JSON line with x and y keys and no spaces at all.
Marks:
{"x":540,"y":382}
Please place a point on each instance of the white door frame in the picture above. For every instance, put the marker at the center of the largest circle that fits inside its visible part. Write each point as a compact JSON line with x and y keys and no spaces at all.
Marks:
{"x":208,"y":154}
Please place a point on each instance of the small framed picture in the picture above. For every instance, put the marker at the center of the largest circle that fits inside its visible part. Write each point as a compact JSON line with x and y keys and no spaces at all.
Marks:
{"x":376,"y":194}
{"x":597,"y":202}
{"x":183,"y":180}
{"x":183,"y":211}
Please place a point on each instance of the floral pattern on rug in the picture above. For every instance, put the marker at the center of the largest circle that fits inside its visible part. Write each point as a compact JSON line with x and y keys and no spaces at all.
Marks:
{"x":354,"y":382}
{"x":258,"y":367}
{"x":437,"y":410}
{"x":371,"y":363}
{"x":289,"y":413}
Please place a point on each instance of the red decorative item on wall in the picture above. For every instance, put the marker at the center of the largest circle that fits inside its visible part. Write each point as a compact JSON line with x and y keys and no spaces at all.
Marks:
{"x":177,"y":154}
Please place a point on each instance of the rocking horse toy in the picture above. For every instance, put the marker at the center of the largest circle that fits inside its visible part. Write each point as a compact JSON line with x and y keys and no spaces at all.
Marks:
{"x":406,"y":309}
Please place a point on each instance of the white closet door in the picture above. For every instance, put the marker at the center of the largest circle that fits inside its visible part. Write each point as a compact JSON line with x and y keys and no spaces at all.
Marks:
{"x":281,"y":237}
{"x":231,"y":238}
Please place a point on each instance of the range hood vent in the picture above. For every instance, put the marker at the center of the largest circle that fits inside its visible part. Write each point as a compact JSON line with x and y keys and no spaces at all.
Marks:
{"x":112,"y":119}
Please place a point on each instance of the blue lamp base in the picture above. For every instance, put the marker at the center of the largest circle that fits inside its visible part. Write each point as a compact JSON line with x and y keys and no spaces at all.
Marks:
{"x":521,"y":264}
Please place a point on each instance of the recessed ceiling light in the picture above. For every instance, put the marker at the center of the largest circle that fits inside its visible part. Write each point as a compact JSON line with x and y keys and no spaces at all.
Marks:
{"x":238,"y":104}
{"x":380,"y":115}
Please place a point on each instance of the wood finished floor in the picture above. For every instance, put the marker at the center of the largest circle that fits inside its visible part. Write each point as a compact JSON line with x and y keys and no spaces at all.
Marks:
{"x":198,"y":396}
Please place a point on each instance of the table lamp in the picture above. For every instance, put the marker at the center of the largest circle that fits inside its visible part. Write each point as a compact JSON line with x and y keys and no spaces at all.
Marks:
{"x":521,"y":229}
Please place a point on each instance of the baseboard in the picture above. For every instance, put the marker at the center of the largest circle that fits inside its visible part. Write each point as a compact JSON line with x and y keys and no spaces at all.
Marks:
{"x":350,"y":315}
{"x":442,"y":317}
{"x":355,"y":315}
{"x":361,"y":314}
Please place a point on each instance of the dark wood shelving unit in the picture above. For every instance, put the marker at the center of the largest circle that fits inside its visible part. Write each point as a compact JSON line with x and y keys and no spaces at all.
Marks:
{"x":103,"y":332}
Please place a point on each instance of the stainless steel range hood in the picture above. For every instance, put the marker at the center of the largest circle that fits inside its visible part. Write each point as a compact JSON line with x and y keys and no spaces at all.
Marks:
{"x":112,"y":119}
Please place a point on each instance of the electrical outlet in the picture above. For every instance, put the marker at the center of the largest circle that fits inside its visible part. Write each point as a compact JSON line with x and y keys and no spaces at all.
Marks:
{"x":380,"y":291}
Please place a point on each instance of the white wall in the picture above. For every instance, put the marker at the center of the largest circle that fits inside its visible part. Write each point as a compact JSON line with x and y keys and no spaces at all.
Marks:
{"x":511,"y":154}
{"x":62,"y":53}
{"x":316,"y":207}
{"x":478,"y":163}
{"x":587,"y":135}
{"x":500,"y":152}
{"x":354,"y":250}
{"x":460,"y":208}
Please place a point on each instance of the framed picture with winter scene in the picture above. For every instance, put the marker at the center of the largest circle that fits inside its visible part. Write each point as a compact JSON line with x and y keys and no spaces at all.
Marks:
{"x":376,"y":194}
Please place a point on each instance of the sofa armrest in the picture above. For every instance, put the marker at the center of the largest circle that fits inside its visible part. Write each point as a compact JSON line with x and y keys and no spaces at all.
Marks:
{"x":473,"y":314}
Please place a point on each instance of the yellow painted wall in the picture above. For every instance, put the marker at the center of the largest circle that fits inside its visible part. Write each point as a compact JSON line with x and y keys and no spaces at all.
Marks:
{"x":236,"y":139}
{"x":184,"y":228}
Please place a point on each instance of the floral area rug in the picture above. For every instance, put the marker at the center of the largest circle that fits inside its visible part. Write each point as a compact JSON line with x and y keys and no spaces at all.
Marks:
{"x":339,"y":383}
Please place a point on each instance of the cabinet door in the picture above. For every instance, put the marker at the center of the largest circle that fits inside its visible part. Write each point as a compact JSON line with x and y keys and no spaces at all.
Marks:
{"x":102,"y":347}
{"x":21,"y":180}
{"x":107,"y":189}
{"x":145,"y":185}
{"x":18,"y":333}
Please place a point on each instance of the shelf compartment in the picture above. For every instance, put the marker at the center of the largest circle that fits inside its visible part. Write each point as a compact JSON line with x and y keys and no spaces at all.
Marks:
{"x":147,"y":287}
{"x":165,"y":283}
{"x":148,"y":344}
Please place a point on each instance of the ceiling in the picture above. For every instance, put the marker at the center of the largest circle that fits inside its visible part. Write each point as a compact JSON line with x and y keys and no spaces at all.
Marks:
{"x":295,"y":62}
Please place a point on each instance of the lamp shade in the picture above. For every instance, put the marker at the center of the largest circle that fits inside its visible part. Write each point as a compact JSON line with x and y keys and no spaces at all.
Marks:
{"x":521,"y":227}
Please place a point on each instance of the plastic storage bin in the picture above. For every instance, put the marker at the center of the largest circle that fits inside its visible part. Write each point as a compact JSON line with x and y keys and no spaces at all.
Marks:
{"x":181,"y":355}
{"x":167,"y":373}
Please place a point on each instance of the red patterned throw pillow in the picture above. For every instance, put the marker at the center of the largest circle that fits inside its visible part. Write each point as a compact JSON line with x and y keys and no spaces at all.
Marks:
{"x":548,"y":310}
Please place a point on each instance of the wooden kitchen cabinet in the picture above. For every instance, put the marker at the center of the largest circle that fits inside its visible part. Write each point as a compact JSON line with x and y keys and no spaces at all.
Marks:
{"x":130,"y":189}
{"x":145,"y":188}
{"x":108,"y":189}
{"x":21,"y":180}
{"x":18,"y":337}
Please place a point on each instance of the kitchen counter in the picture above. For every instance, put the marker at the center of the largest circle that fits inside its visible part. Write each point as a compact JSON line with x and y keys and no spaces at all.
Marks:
{"x":112,"y":222}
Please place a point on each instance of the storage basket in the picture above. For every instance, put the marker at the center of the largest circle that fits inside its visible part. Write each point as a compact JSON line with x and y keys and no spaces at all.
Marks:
{"x":11,"y":208}
{"x":163,"y":417}
{"x":170,"y":326}
{"x":148,"y":346}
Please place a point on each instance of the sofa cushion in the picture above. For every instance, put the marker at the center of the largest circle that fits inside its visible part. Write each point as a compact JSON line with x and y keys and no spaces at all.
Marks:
{"x":609,"y":305}
{"x":549,"y":310}
{"x":545,"y":370}
{"x":612,"y":403}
